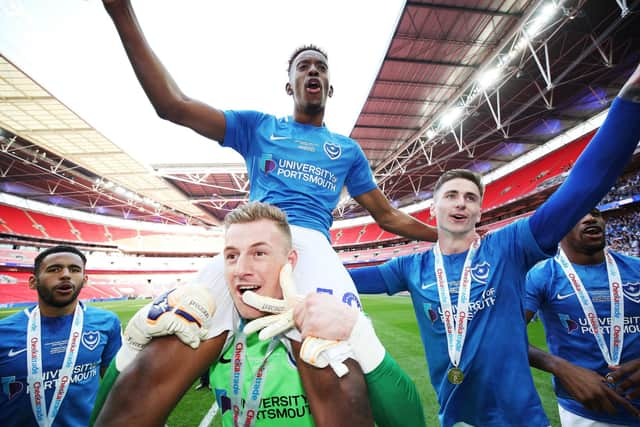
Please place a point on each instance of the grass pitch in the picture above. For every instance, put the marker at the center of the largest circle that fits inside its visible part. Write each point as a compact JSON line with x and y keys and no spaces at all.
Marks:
{"x":396,"y":326}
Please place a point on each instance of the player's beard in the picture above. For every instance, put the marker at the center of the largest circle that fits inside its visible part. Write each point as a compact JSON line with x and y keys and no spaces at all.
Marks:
{"x":47,"y":296}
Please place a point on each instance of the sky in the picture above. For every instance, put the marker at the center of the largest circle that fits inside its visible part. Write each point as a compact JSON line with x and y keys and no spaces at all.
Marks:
{"x":230,"y":54}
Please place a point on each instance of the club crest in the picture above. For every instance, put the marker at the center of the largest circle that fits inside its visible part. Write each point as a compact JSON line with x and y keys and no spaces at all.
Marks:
{"x":632,"y":291}
{"x":480,"y":272}
{"x":91,"y":339}
{"x":332,"y":150}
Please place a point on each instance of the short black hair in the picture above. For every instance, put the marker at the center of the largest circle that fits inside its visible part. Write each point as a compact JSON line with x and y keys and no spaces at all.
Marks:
{"x":304,"y":48}
{"x":467,"y":174}
{"x":56,"y":250}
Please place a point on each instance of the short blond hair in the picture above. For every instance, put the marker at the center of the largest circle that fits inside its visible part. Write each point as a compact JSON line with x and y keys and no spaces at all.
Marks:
{"x":255,"y":211}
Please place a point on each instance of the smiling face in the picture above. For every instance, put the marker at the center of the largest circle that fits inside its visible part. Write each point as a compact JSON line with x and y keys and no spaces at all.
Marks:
{"x":254,"y":253}
{"x":59,"y":280}
{"x":587,"y":236}
{"x":456,"y":206}
{"x":309,"y":82}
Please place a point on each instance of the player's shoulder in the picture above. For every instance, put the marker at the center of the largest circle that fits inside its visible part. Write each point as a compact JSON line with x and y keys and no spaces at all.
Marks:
{"x":99,"y":314}
{"x":543,"y":269}
{"x":630,"y":259}
{"x":344,"y":140}
{"x":14,"y":321}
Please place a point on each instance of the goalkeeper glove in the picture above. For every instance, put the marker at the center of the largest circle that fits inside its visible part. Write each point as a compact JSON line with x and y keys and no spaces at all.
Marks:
{"x":270,"y":326}
{"x":182,"y":312}
{"x":362,"y":345}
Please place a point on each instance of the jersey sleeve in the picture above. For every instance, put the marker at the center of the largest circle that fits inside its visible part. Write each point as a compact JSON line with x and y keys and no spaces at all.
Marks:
{"x":239,"y":129}
{"x":394,"y":397}
{"x":394,"y":272}
{"x":114,"y":341}
{"x":360,"y":179}
{"x":535,"y":287}
{"x":593,"y":174}
{"x":368,"y":280}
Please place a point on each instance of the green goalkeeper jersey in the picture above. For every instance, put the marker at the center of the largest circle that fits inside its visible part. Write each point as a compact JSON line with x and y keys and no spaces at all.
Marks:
{"x":283,"y":401}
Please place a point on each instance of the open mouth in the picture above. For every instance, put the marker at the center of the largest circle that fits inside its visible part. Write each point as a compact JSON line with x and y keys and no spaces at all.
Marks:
{"x":314,"y":86}
{"x":244,"y":288}
{"x":458,"y":217}
{"x":592,"y":230}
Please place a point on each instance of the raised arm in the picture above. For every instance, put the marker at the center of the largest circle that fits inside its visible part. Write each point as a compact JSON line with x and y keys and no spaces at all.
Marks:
{"x":595,"y":171}
{"x":163,"y":92}
{"x":393,"y":220}
{"x":145,"y":393}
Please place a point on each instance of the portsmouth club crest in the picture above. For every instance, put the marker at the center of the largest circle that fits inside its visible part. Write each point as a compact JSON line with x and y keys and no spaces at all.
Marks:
{"x":91,"y":340}
{"x":332,"y":150}
{"x":480,"y":272}
{"x":632,"y":291}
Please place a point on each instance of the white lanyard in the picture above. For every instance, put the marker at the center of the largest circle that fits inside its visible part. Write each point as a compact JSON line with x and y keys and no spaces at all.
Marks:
{"x":34,"y":367}
{"x":247,"y":417}
{"x":456,"y":329}
{"x":616,"y":337}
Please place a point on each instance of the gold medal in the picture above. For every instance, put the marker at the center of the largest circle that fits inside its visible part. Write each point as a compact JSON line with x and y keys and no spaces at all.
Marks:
{"x":455,"y":375}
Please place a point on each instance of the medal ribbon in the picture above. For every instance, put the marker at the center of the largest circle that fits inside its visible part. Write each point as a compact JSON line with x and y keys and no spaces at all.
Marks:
{"x":616,"y":337}
{"x":247,"y":417}
{"x":456,"y":329}
{"x":34,"y":367}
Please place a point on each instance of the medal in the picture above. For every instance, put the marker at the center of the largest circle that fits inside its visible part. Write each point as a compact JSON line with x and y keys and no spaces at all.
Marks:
{"x":455,"y":375}
{"x":455,"y":328}
{"x":612,"y":354}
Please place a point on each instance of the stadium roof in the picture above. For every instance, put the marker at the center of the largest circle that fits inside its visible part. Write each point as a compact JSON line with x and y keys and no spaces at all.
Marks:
{"x":471,"y":84}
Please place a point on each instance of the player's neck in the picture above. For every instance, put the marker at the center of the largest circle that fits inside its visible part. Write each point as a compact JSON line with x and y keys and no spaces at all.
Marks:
{"x":315,"y":118}
{"x":49,"y":310}
{"x":452,"y":243}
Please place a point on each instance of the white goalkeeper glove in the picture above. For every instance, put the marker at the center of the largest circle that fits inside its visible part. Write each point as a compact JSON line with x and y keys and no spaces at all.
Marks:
{"x":365,"y":344}
{"x":317,"y":352}
{"x":270,"y":326}
{"x":182,"y":312}
{"x":320,"y":352}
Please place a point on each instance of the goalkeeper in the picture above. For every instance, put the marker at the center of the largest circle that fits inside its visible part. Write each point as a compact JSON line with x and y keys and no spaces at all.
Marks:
{"x":258,"y":244}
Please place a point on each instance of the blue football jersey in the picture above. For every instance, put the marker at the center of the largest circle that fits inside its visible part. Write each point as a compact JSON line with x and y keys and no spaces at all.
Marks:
{"x":299,"y":168}
{"x":567,"y":329}
{"x":100,"y":342}
{"x":498,"y":388}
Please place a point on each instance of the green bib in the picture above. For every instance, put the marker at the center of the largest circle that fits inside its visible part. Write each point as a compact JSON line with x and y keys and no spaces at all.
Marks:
{"x":283,"y":400}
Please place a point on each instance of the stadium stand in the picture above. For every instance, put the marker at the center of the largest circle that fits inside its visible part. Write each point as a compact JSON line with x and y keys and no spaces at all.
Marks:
{"x":118,"y":267}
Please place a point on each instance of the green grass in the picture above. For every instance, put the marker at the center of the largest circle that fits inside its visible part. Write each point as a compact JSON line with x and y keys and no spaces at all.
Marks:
{"x":396,"y":326}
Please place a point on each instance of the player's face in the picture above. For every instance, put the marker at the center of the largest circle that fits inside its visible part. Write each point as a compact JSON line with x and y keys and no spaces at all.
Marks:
{"x":588,"y":235}
{"x":254,"y":253}
{"x":60,"y":279}
{"x":457,"y":206}
{"x":309,"y":82}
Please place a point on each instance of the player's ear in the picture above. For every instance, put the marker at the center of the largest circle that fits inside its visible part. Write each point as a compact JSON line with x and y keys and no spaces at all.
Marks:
{"x":330,"y":94}
{"x":289,"y":89}
{"x":33,"y":282}
{"x":293,"y":258}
